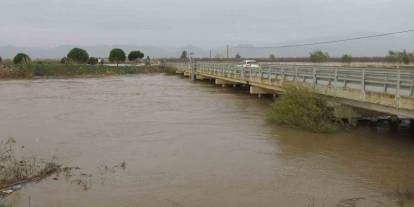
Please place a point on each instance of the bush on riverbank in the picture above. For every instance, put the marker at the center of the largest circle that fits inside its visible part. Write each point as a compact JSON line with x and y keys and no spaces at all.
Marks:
{"x":301,"y":108}
{"x":8,"y":71}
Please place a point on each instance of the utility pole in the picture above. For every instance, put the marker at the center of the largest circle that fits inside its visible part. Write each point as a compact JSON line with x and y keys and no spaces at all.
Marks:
{"x":228,"y":51}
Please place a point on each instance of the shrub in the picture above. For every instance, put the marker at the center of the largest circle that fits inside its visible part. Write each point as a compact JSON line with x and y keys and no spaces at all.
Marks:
{"x":346,"y":58}
{"x":272,"y":57}
{"x":148,"y":61}
{"x":399,"y":57}
{"x":238,"y":56}
{"x":78,"y":55}
{"x":21,"y":58}
{"x":299,"y":107}
{"x":117,"y":55}
{"x":92,"y":61}
{"x":64,"y":60}
{"x":319,"y":56}
{"x":135,"y":55}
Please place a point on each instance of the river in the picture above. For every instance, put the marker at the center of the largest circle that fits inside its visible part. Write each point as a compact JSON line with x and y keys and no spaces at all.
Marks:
{"x":192,"y":145}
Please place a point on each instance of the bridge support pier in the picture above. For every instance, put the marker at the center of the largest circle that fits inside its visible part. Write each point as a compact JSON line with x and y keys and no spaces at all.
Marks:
{"x":178,"y":71}
{"x":223,"y":83}
{"x":200,"y":77}
{"x":259,"y":91}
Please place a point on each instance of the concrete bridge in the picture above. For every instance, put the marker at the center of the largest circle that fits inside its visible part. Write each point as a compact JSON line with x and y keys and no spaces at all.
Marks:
{"x":385,"y":90}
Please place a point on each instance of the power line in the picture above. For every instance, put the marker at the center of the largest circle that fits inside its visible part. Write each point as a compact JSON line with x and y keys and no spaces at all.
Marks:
{"x":329,"y":42}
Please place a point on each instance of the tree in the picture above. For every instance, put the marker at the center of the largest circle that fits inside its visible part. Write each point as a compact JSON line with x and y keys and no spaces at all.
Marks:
{"x":184,"y":55}
{"x":319,"y":56}
{"x":117,"y":56}
{"x":272,"y":57}
{"x":238,"y":56}
{"x":1,"y":59}
{"x":392,"y":57}
{"x":92,"y":61}
{"x":78,"y":55}
{"x":405,"y":57}
{"x":346,"y":58}
{"x":135,"y":55}
{"x":399,"y":57}
{"x":21,"y":58}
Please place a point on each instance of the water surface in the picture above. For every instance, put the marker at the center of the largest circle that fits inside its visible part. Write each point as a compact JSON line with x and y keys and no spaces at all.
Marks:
{"x":191,"y":144}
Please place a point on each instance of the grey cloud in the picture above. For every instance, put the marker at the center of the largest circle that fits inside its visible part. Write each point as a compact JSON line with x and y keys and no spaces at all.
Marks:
{"x":205,"y":23}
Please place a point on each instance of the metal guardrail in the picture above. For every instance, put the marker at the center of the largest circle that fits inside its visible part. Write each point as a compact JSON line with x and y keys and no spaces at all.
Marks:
{"x":397,"y":82}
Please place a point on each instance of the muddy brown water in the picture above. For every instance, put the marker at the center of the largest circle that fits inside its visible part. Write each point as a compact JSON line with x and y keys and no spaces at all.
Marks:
{"x":192,"y":144}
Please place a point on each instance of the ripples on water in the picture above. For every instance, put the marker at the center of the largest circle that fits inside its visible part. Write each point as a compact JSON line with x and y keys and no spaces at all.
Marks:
{"x":193,"y":144}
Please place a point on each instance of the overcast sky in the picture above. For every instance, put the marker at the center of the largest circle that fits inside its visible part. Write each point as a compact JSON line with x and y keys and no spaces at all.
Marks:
{"x":204,"y":23}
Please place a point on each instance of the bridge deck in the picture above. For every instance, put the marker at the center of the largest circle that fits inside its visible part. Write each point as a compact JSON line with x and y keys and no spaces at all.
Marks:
{"x":379,"y":89}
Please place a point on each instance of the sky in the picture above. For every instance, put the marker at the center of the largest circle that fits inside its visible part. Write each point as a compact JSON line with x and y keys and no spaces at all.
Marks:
{"x":203,"y":23}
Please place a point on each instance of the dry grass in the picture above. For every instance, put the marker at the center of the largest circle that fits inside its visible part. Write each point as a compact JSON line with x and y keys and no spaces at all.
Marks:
{"x":16,"y":169}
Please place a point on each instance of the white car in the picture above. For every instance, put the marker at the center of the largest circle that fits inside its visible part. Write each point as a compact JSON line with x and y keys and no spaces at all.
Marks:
{"x":249,"y":64}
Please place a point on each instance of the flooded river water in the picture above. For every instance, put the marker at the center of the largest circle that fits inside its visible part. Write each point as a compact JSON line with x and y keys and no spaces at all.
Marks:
{"x":192,"y":145}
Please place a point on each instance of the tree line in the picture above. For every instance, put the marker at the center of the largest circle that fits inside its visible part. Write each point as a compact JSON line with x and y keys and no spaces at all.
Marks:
{"x":116,"y":55}
{"x":319,"y":56}
{"x":81,"y":56}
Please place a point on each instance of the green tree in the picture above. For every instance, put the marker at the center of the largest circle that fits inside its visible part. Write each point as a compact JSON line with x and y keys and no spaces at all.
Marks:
{"x":1,"y":59}
{"x":393,"y":57}
{"x":21,"y":58}
{"x":346,"y":58}
{"x":135,"y":55}
{"x":405,"y":57}
{"x":272,"y":57}
{"x":319,"y":56}
{"x":92,"y":61}
{"x":117,"y":56}
{"x":238,"y":56}
{"x":78,"y":55}
{"x":184,"y":55}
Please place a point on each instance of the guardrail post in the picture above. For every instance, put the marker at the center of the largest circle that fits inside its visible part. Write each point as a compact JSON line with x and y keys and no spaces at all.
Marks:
{"x":397,"y":92}
{"x":315,"y":80}
{"x":386,"y":85}
{"x":363,"y":83}
{"x":336,"y":80}
{"x":260,"y":73}
{"x":269,"y":73}
{"x":412,"y":84}
{"x":193,"y":71}
{"x":296,"y":73}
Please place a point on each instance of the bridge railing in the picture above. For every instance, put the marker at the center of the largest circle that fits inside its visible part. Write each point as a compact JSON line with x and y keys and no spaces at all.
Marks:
{"x":397,"y":82}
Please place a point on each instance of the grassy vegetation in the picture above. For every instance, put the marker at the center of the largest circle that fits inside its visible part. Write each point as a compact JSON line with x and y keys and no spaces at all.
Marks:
{"x":17,"y":169}
{"x":301,"y":108}
{"x":11,"y":71}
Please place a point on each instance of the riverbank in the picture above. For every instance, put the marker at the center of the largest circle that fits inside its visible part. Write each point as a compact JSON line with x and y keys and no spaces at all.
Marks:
{"x":10,"y":71}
